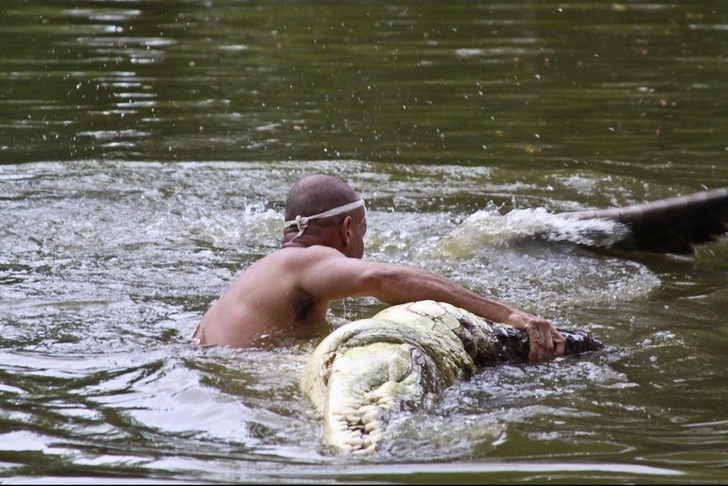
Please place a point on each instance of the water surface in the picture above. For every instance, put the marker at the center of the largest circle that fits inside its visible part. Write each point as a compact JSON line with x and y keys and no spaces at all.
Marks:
{"x":146,"y":149}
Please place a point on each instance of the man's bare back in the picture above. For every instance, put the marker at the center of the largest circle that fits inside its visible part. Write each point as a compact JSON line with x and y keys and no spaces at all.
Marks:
{"x":266,"y":299}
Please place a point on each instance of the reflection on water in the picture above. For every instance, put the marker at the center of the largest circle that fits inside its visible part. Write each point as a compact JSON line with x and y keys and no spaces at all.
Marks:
{"x":147,"y":148}
{"x":539,"y":82}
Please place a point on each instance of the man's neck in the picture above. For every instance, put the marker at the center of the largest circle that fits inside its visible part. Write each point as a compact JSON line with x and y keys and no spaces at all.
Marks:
{"x":294,"y":244}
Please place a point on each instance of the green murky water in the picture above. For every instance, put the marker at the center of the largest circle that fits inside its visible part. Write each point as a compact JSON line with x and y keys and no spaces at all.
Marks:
{"x":146,"y":148}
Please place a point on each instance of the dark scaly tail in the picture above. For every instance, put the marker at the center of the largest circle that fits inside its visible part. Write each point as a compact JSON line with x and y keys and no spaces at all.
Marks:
{"x":489,"y":343}
{"x":515,"y":344}
{"x":671,"y":225}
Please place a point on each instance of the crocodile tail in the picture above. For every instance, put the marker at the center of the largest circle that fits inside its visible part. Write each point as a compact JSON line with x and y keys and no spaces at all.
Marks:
{"x":578,"y":341}
{"x":514,"y":344}
{"x":489,"y":343}
{"x":671,"y":225}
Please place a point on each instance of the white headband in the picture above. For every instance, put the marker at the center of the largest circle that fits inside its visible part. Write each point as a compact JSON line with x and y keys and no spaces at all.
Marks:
{"x":301,"y":222}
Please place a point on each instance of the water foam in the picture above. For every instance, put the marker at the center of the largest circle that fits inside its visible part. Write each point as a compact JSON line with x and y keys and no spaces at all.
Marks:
{"x":488,"y":227}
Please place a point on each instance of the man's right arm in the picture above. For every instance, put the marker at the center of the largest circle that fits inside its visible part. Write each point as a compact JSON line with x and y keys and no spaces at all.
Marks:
{"x":333,"y":276}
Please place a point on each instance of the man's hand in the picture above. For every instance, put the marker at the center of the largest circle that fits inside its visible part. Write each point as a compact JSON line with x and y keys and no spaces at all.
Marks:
{"x":544,"y":339}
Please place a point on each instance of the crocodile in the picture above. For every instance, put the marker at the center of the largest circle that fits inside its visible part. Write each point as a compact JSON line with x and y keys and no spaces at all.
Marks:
{"x":366,"y":371}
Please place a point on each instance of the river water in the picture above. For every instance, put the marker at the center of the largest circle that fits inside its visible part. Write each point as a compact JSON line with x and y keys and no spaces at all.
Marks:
{"x":146,"y":149}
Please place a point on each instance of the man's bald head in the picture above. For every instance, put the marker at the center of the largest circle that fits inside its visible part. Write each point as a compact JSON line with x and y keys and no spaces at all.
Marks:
{"x":316,"y":194}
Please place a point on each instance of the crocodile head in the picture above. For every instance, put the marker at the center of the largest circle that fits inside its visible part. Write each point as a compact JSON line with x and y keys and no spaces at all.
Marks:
{"x":368,"y":370}
{"x":366,"y":385}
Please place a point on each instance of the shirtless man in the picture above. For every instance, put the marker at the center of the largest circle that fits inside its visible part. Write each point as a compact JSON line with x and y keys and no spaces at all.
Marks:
{"x":320,"y":261}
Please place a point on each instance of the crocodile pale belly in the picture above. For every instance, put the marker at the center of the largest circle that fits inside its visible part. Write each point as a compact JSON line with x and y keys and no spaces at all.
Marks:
{"x":366,"y":371}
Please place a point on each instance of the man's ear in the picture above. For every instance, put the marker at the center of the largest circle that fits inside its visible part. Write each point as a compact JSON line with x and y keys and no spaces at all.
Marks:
{"x":346,"y":231}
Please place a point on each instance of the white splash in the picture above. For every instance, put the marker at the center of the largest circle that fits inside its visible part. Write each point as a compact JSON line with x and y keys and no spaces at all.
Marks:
{"x":488,"y":227}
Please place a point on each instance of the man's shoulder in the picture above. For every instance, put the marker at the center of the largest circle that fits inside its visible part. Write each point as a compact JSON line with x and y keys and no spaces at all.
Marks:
{"x":307,"y":253}
{"x":299,"y":259}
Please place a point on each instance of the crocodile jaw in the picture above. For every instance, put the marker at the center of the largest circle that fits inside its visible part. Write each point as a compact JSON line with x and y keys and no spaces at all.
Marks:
{"x":358,"y":405}
{"x":364,"y":372}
